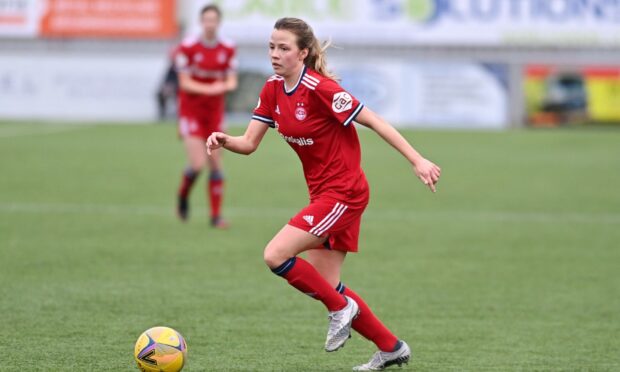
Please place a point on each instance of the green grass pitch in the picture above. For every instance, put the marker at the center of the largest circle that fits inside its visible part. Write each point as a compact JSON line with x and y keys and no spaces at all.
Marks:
{"x":513,"y":265}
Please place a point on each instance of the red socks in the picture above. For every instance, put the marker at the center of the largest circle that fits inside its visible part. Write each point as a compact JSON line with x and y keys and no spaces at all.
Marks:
{"x":368,"y":325}
{"x":216,"y":192}
{"x":303,"y":276}
{"x":215,"y":188}
{"x":187,"y":181}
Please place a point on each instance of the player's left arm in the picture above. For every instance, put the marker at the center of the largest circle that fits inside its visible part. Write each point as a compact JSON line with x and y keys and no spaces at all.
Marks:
{"x":426,"y":170}
{"x":231,"y":82}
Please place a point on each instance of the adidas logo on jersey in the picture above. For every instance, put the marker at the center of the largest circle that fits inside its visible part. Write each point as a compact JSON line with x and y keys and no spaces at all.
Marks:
{"x":309,"y":220}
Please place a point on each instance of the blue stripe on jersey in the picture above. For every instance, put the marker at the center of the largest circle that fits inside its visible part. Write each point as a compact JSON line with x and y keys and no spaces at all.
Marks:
{"x":353,"y":114}
{"x":289,"y":93}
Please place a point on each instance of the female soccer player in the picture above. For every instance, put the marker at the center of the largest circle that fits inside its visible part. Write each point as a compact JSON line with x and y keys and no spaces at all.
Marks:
{"x":314,"y":114}
{"x":207,"y":71}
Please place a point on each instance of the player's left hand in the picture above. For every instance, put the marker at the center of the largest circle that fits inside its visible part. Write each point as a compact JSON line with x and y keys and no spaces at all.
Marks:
{"x":428,"y":173}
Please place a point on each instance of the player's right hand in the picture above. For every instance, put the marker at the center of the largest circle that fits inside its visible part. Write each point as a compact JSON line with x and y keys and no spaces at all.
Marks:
{"x":215,"y":141}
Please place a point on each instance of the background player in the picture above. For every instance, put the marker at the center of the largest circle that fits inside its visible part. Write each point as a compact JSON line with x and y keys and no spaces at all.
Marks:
{"x":207,"y":71}
{"x":314,"y":115}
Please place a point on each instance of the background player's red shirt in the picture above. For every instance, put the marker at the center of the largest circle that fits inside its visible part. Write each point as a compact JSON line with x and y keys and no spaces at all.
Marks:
{"x":315,"y":119}
{"x":205,"y":63}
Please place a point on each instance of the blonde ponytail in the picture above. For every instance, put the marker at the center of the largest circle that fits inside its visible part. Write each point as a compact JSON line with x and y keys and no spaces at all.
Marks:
{"x":316,"y":58}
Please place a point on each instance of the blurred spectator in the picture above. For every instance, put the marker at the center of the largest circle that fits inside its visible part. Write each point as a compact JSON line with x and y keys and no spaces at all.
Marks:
{"x":168,"y":90}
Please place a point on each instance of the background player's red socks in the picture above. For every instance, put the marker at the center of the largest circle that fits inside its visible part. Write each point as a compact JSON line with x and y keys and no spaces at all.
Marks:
{"x":216,"y":192}
{"x":368,"y":325}
{"x":187,"y":181}
{"x":303,"y":276}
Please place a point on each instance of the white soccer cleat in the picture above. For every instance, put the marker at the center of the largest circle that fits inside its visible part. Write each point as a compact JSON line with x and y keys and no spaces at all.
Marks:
{"x":340,"y":325}
{"x":381,"y":359}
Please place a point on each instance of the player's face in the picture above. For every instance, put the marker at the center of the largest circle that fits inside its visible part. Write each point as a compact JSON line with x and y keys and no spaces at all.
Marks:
{"x":286,"y":58}
{"x":210,"y":21}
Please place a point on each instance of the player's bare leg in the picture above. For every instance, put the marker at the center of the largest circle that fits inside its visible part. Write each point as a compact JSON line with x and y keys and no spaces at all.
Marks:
{"x":197,"y":158}
{"x":281,"y":256}
{"x":327,"y":262}
{"x":215,"y":189}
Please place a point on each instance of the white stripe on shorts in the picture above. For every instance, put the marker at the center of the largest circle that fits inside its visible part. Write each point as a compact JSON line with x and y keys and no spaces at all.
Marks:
{"x":333,"y":221}
{"x":329,"y":215}
{"x":184,"y":126}
{"x":329,"y":220}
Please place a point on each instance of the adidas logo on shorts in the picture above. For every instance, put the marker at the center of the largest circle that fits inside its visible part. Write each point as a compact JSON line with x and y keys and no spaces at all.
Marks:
{"x":309,"y":220}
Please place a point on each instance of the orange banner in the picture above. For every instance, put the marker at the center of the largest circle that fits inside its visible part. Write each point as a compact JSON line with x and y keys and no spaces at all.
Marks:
{"x":109,"y":19}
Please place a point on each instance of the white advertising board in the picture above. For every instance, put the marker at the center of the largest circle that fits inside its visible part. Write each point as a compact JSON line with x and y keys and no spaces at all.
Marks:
{"x":436,"y":95}
{"x":412,"y":94}
{"x":418,"y":22}
{"x":19,"y":18}
{"x":87,"y":87}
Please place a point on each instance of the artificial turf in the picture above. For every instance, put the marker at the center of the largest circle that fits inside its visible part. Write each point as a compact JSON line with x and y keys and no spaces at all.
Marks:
{"x":514,"y":264}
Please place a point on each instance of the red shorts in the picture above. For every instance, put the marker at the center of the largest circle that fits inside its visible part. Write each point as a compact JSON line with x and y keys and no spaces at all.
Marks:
{"x":334,"y":219}
{"x":195,"y":126}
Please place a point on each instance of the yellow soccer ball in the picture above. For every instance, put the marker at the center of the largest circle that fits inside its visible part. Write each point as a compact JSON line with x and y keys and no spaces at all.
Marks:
{"x":160,"y":349}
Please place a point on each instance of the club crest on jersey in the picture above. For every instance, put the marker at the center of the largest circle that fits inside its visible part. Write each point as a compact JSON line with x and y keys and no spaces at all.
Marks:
{"x":342,"y":102}
{"x":221,"y":57}
{"x":300,"y":112}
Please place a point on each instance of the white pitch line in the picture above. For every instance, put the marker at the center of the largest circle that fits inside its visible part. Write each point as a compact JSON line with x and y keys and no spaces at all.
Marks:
{"x":39,"y":130}
{"x":372,"y":214}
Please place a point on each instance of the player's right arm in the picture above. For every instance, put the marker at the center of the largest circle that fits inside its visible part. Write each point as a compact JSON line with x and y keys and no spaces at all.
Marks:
{"x":245,"y":144}
{"x":262,"y":120}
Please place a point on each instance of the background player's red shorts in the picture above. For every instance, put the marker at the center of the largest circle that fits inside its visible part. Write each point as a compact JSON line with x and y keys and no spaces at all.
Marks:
{"x":337,"y":220}
{"x":195,"y":126}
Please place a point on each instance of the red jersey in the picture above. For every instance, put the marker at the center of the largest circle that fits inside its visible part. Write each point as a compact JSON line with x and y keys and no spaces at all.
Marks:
{"x":205,"y":63}
{"x":315,"y":118}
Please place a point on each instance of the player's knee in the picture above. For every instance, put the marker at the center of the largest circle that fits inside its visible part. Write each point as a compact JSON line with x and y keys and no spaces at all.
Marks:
{"x":273,"y":257}
{"x":198,"y":165}
{"x":194,"y":169}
